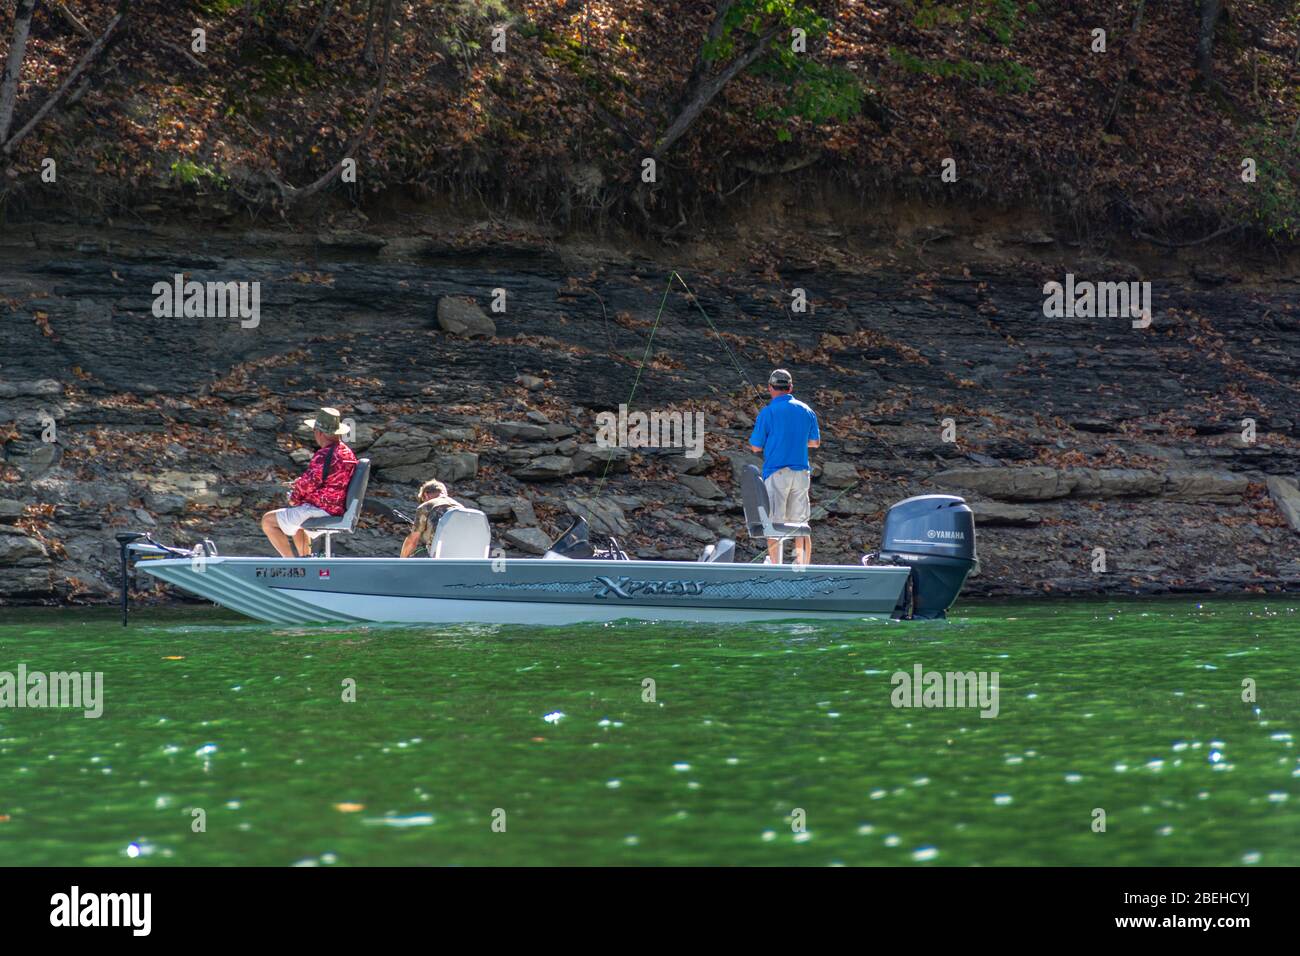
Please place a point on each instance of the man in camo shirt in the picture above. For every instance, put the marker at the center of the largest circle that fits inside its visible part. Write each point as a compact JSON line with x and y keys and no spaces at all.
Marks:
{"x":434,"y":503}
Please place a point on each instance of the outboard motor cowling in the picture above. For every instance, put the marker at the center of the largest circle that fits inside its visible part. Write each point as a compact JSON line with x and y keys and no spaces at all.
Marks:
{"x":934,"y":535}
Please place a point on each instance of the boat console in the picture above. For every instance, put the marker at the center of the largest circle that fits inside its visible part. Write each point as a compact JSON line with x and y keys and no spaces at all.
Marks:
{"x":575,"y":543}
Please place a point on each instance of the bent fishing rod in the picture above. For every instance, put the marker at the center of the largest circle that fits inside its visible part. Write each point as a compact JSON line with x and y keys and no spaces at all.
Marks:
{"x":757,"y":393}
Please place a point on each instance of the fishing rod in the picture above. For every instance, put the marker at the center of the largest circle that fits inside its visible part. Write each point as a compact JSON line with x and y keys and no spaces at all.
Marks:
{"x":823,"y":508}
{"x":695,"y":299}
{"x":740,"y":370}
{"x":645,"y":357}
{"x":692,"y":297}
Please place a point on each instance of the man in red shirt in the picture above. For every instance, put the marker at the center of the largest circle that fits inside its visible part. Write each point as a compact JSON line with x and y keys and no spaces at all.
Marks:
{"x":321,"y":491}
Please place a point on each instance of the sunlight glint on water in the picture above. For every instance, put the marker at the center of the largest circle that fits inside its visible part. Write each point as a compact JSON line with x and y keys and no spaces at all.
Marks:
{"x":1132,"y":708}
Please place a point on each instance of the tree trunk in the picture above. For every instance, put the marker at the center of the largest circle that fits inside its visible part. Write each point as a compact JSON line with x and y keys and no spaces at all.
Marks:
{"x":71,"y":19}
{"x":1130,"y":61}
{"x":292,"y":194}
{"x":247,"y":31}
{"x":368,"y":48}
{"x":14,"y":65}
{"x":715,"y":33}
{"x":1211,"y":10}
{"x":320,"y":27}
{"x":95,"y":50}
{"x":698,"y":98}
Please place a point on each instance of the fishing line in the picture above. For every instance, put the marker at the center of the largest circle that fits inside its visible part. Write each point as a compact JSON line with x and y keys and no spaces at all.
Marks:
{"x":636,"y":381}
{"x":649,"y":342}
{"x":740,"y":370}
{"x":824,"y":506}
{"x":696,"y":300}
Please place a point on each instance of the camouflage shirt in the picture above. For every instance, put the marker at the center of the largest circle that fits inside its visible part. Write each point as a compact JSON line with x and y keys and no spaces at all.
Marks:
{"x":427,"y":517}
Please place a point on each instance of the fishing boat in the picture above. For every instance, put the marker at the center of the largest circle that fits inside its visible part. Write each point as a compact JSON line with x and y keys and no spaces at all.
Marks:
{"x":928,"y":550}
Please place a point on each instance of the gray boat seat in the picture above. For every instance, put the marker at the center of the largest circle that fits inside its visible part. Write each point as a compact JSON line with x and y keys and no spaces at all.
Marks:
{"x":721,"y":553}
{"x":462,"y":533}
{"x":758,"y":509}
{"x":356,"y":497}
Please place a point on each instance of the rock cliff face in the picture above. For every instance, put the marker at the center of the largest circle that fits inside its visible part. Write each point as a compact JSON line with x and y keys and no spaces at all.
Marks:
{"x":1170,"y":452}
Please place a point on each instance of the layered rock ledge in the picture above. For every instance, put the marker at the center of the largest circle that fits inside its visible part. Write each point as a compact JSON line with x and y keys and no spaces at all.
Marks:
{"x":1174,"y":449}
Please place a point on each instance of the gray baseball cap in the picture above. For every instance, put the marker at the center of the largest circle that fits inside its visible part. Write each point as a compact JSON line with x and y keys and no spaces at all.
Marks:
{"x":780,"y":378}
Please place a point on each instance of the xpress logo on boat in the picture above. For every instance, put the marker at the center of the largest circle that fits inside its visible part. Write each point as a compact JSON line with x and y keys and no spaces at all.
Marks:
{"x":625,"y":587}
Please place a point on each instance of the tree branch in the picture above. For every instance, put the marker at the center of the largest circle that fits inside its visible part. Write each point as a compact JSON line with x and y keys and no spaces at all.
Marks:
{"x":1193,"y":242}
{"x":368,"y":48}
{"x":774,"y":168}
{"x":1130,"y":61}
{"x":705,"y":92}
{"x":72,"y":20}
{"x":292,"y":194}
{"x":90,"y":55}
{"x":1211,"y":10}
{"x":182,"y":52}
{"x":319,"y":28}
{"x":14,"y":64}
{"x":716,"y":28}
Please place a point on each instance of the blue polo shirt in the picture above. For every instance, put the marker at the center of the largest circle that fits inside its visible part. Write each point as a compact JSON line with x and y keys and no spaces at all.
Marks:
{"x":783,"y":430}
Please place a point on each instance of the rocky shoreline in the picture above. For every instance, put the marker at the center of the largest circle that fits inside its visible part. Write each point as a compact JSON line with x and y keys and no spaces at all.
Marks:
{"x":1074,"y":439}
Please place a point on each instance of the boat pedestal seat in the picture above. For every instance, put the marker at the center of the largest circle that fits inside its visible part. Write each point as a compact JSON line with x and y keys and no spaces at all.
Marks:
{"x":758,"y":512}
{"x":777,"y":529}
{"x":462,"y":533}
{"x":347,"y":521}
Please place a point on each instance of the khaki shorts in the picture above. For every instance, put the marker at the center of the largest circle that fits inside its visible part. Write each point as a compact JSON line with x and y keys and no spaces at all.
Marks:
{"x":787,"y":490}
{"x":290,"y":520}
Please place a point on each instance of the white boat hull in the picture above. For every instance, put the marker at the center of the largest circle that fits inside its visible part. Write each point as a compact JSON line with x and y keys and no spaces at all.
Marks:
{"x":526,"y":591}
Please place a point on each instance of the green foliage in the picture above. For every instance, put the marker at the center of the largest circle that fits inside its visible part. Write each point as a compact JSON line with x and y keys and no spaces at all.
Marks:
{"x":817,"y":93}
{"x":479,"y":10}
{"x":466,"y":21}
{"x":930,"y":14}
{"x":282,"y":72}
{"x":1005,"y":77}
{"x":1275,"y":194}
{"x":215,"y":8}
{"x":752,"y":18}
{"x":1002,"y":18}
{"x":189,"y":173}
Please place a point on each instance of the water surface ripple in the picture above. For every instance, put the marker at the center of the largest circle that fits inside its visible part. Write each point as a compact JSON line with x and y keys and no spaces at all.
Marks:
{"x":767,"y":744}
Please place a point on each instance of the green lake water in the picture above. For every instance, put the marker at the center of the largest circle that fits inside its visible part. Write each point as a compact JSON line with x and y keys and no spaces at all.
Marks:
{"x":764,"y":744}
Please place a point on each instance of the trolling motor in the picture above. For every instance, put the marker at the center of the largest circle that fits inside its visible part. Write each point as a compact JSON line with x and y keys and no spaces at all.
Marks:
{"x":124,"y":541}
{"x":142,"y":546}
{"x":934,"y":535}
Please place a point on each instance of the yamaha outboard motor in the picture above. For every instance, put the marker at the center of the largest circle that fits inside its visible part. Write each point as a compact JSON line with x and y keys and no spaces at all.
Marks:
{"x":934,"y":535}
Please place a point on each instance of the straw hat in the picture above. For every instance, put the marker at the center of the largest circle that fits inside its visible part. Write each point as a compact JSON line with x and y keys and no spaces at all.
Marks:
{"x":328,"y":421}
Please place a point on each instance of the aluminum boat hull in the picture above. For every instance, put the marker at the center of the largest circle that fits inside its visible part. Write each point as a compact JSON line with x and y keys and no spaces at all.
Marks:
{"x":530,"y":591}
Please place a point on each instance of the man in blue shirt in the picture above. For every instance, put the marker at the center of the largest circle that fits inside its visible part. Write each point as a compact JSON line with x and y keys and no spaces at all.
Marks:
{"x":784,"y":431}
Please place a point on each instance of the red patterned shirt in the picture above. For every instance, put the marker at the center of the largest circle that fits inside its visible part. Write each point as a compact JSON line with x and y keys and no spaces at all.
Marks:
{"x":329,"y":493}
